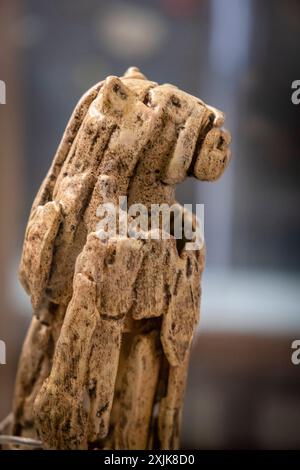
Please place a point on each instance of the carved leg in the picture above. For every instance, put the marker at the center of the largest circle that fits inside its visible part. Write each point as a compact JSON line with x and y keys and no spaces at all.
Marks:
{"x":74,"y":405}
{"x":178,"y":329}
{"x":35,"y":365}
{"x":138,"y":392}
{"x":102,"y":375}
{"x":65,"y":401}
{"x":170,"y":409}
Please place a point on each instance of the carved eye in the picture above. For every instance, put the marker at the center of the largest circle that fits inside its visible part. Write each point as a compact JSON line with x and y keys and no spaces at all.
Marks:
{"x":211,"y":120}
{"x":147,"y":100}
{"x":175,"y":101}
{"x":119,"y":91}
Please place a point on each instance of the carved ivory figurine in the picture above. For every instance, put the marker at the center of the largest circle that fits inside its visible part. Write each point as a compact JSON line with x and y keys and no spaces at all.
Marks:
{"x":105,"y":360}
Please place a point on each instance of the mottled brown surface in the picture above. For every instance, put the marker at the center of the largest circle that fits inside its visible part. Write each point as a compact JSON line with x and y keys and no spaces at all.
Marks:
{"x":105,"y":360}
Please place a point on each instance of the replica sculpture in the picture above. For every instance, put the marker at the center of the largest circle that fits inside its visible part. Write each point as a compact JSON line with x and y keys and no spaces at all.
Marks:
{"x":105,"y":360}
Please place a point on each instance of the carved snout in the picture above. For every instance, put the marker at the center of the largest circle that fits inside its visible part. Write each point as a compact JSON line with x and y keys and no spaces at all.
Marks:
{"x":213,"y":156}
{"x":201,"y":150}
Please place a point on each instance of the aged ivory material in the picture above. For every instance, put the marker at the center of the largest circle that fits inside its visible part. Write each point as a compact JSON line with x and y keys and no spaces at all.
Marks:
{"x":105,"y":360}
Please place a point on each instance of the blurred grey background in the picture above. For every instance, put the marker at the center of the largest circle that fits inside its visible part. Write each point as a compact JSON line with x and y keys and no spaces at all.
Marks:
{"x":242,"y":57}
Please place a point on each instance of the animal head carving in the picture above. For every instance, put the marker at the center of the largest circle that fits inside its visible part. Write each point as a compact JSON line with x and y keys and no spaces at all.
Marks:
{"x":192,"y":140}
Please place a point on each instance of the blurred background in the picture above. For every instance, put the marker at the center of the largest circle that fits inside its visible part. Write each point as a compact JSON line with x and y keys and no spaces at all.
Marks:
{"x":242,"y":57}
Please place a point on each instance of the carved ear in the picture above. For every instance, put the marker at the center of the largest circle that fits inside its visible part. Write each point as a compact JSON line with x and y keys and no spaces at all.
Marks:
{"x":134,"y":72}
{"x":114,"y":94}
